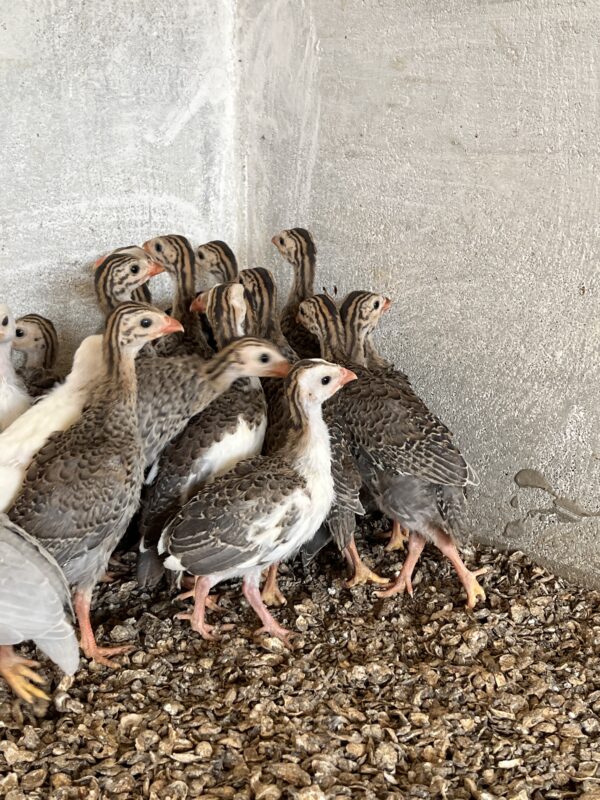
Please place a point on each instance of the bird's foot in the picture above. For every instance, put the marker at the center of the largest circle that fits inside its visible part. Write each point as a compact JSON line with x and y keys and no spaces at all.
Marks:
{"x":403,"y":583}
{"x":362,"y":575}
{"x":21,"y":678}
{"x":212,"y":601}
{"x":200,"y":626}
{"x":108,"y":577}
{"x":272,"y":596}
{"x":472,"y":586}
{"x":101,"y":654}
{"x":274,"y":629}
{"x":399,"y":537}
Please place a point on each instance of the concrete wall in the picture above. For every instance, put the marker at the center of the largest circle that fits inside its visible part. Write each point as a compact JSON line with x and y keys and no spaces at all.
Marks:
{"x":447,"y":154}
{"x":443,"y":153}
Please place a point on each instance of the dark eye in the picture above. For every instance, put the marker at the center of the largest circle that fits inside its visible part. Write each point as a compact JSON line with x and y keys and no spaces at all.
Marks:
{"x":376,"y":304}
{"x":281,"y":242}
{"x":326,"y":380}
{"x":20,"y":332}
{"x":146,"y":323}
{"x":134,"y":269}
{"x":158,"y":247}
{"x":264,"y":358}
{"x":201,"y":256}
{"x":5,"y":322}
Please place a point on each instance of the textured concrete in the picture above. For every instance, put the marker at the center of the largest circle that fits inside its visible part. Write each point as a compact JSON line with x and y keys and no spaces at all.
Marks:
{"x":444,"y":153}
{"x":447,"y":154}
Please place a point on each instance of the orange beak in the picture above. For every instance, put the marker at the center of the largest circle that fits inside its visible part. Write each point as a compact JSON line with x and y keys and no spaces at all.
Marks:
{"x":280,"y":370}
{"x":171,"y":326}
{"x":147,"y":247}
{"x":387,"y":304}
{"x":347,"y":376}
{"x":275,"y":240}
{"x":199,"y":303}
{"x":155,"y":269}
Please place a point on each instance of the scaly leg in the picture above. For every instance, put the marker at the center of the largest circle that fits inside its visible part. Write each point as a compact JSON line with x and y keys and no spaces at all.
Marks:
{"x":467,"y":578}
{"x":17,"y":672}
{"x":403,"y":582}
{"x":361,"y":573}
{"x":398,"y":538}
{"x":270,"y":625}
{"x":196,"y":618}
{"x":212,"y":600}
{"x":271,"y":594}
{"x":81,"y":602}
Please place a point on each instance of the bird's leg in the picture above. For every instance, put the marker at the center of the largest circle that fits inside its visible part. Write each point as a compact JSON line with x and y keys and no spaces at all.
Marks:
{"x":468,"y":579}
{"x":361,"y":573}
{"x":81,"y":603}
{"x":212,"y":601}
{"x":398,"y":538}
{"x":17,"y":672}
{"x":201,"y":589}
{"x":271,"y":594}
{"x":270,"y":625}
{"x":403,"y":583}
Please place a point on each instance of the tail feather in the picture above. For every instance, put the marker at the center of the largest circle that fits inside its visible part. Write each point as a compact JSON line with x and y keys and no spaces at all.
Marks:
{"x":62,"y":648}
{"x":150,"y":568}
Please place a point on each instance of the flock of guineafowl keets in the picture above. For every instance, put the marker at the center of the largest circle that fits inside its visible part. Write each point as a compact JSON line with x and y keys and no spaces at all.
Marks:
{"x":237,"y":436}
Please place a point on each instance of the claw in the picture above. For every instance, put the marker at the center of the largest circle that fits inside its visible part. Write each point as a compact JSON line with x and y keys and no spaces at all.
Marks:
{"x":100,"y":654}
{"x":17,"y":672}
{"x":402,"y":584}
{"x":473,"y":587}
{"x":271,"y":594}
{"x":399,"y":537}
{"x":203,"y":628}
{"x":362,"y":573}
{"x":279,"y":632}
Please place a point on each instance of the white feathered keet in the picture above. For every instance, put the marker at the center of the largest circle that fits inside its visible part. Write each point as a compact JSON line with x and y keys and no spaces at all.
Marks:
{"x":14,"y":399}
{"x":57,"y":411}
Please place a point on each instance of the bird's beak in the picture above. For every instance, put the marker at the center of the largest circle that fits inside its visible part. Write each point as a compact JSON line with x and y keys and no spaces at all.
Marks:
{"x":171,"y":326}
{"x":155,"y":269}
{"x":280,"y":370}
{"x":199,"y":303}
{"x":347,"y":376}
{"x":147,"y":247}
{"x":387,"y":304}
{"x":275,"y":241}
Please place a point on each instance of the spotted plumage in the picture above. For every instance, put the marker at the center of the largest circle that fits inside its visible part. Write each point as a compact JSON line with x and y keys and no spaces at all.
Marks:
{"x":298,"y":248}
{"x":82,"y":487}
{"x":266,"y":508}
{"x":36,"y":337}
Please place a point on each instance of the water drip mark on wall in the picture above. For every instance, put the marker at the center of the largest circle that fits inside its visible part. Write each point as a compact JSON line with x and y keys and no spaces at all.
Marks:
{"x":562,"y":509}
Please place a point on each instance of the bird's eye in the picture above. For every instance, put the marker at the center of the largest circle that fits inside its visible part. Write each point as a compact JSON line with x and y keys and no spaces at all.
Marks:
{"x":264,"y":358}
{"x":326,"y":380}
{"x":146,"y":323}
{"x":134,"y":269}
{"x":376,"y":305}
{"x":281,"y":242}
{"x":20,"y":332}
{"x":201,"y":255}
{"x":5,"y":322}
{"x":158,"y":247}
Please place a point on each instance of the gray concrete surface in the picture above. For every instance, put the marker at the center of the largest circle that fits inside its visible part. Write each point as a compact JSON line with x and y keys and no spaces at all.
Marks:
{"x":446,"y":154}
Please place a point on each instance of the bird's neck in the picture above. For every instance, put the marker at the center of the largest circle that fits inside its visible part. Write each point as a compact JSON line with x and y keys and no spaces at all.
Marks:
{"x":228,"y":327}
{"x":303,"y":283}
{"x":35,"y":359}
{"x":358,"y":344}
{"x":309,"y":443}
{"x":121,"y":381}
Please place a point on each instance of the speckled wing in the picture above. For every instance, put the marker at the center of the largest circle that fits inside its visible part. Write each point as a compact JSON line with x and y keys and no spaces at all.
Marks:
{"x":394,"y":427}
{"x":75,"y":497}
{"x":304,"y":343}
{"x":39,"y":381}
{"x":238,"y":520}
{"x":347,"y":480}
{"x":34,"y":598}
{"x":170,"y":392}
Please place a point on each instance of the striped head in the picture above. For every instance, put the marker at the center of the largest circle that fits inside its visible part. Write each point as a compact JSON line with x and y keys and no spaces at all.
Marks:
{"x":120,"y":276}
{"x":296,"y":245}
{"x":310,"y":383}
{"x":7,"y":325}
{"x":225,"y":309}
{"x":246,"y":358}
{"x":261,"y":296}
{"x":130,"y":326}
{"x":320,"y":316}
{"x":215,"y":263}
{"x":173,"y":252}
{"x":360,"y":313}
{"x":36,"y":337}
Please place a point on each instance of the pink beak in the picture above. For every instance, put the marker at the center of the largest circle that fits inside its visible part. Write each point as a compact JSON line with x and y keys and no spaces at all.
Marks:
{"x":387,"y":304}
{"x":280,"y":370}
{"x":199,"y":304}
{"x":347,"y":376}
{"x":171,"y":326}
{"x":155,"y":269}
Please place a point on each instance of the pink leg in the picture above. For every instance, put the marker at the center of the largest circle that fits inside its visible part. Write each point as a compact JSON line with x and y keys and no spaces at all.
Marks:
{"x":252,"y":595}
{"x":360,"y":572}
{"x":416,"y":543}
{"x":81,"y":603}
{"x":196,"y":618}
{"x":467,"y":578}
{"x":271,"y":593}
